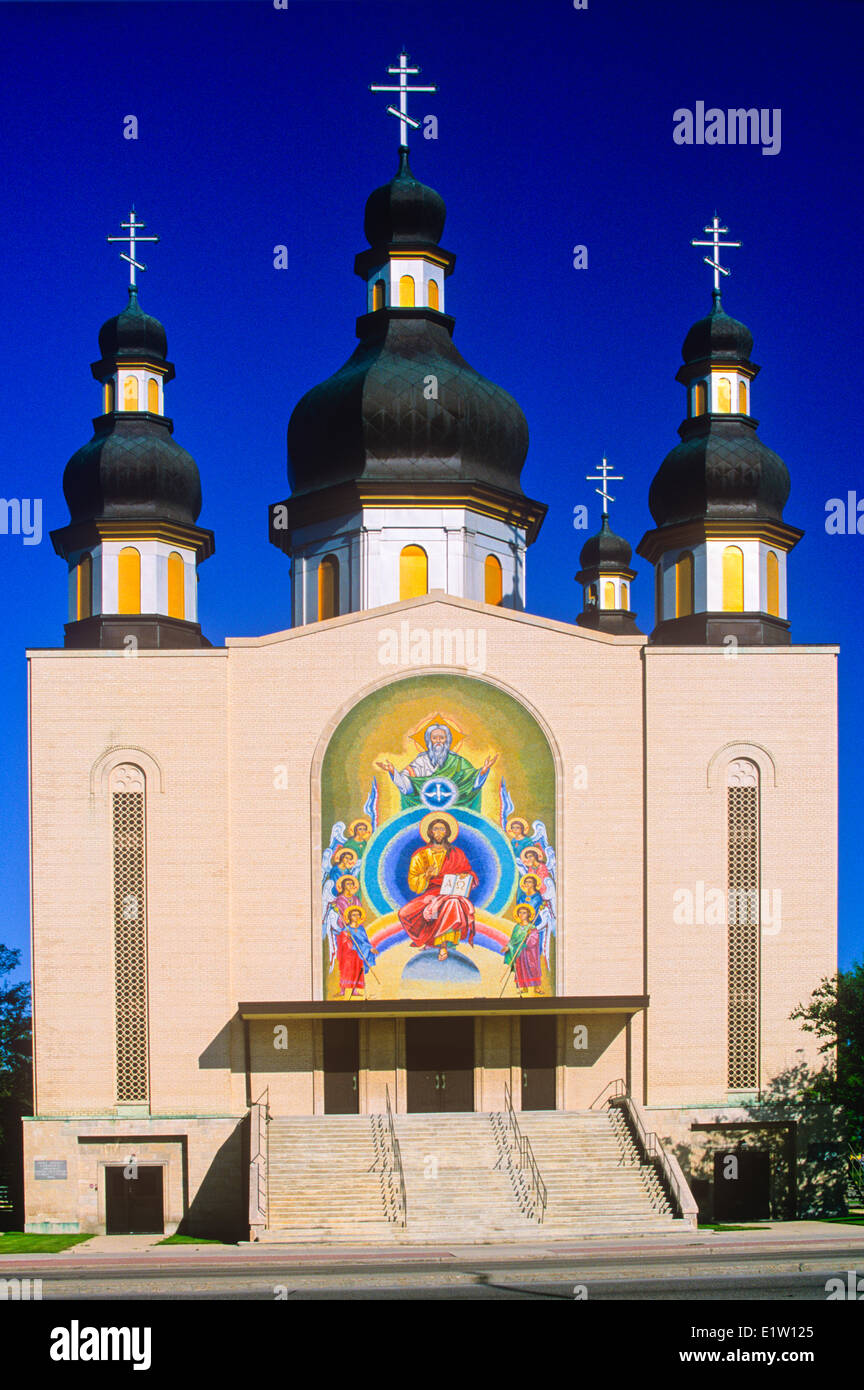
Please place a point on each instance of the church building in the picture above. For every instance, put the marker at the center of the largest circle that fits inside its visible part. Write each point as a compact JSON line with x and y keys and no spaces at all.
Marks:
{"x":327,"y":922}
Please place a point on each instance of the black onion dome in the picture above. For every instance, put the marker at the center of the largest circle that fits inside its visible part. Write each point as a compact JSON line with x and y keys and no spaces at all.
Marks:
{"x":133,"y":333}
{"x":372,"y":421}
{"x":721,"y":469}
{"x":404,"y":210}
{"x":717,"y":337}
{"x":605,"y":550}
{"x":132,"y":468}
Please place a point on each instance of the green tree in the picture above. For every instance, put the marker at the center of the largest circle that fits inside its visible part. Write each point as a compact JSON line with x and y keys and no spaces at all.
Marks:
{"x":16,"y":1072}
{"x":835,"y":1014}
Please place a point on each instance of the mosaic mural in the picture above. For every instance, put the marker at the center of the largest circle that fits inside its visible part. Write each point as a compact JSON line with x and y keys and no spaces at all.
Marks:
{"x":438,"y":859}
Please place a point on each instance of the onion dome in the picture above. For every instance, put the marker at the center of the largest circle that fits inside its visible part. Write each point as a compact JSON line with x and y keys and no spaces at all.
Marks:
{"x":717,"y":337}
{"x":373,"y":420}
{"x":132,"y":468}
{"x":720,"y":470}
{"x":133,"y":333}
{"x":404,"y":210}
{"x":605,"y":550}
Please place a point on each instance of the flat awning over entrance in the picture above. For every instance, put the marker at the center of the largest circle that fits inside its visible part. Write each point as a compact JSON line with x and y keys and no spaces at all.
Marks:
{"x":406,"y":1008}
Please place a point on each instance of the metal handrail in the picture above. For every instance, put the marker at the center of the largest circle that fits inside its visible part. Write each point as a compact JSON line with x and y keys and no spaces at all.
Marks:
{"x":666,"y":1166}
{"x":396,"y":1166}
{"x":525,"y":1152}
{"x":258,"y":1161}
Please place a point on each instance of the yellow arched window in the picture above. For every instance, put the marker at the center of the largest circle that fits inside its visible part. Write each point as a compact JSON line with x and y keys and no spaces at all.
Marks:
{"x":413,"y":572}
{"x":773,"y":576}
{"x":378,"y":295}
{"x":84,"y":587}
{"x":742,"y":398}
{"x":328,"y":588}
{"x":153,"y":395}
{"x":406,"y":291}
{"x":658,"y":593}
{"x":733,"y":579}
{"x":684,"y":585}
{"x":625,"y":595}
{"x":129,"y":581}
{"x":176,"y":586}
{"x":699,"y":398}
{"x":130,"y":393}
{"x":108,"y":396}
{"x":493,"y":580}
{"x":433,"y":294}
{"x":724,"y":395}
{"x":608,"y":594}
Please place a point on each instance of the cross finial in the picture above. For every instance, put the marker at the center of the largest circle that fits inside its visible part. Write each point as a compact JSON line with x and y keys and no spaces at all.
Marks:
{"x":401,"y":113}
{"x":134,"y":227}
{"x":604,"y":476}
{"x":715,"y":243}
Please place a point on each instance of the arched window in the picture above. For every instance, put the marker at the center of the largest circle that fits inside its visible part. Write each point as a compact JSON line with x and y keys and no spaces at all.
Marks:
{"x":658,"y":593}
{"x":733,"y":579}
{"x":406,"y":291}
{"x":608,"y":594}
{"x":378,"y":295}
{"x":328,"y":588}
{"x":742,"y":398}
{"x":84,"y":587}
{"x":176,"y":586}
{"x":591,"y":596}
{"x":684,"y":585}
{"x":130,"y":393}
{"x":724,"y":395}
{"x":433,"y":294}
{"x":108,"y":397}
{"x":413,"y":572}
{"x":493,"y":580}
{"x":153,"y":396}
{"x":772,"y":566}
{"x":129,"y":580}
{"x":130,"y":934}
{"x":699,"y":398}
{"x":625,"y":595}
{"x":742,"y":857}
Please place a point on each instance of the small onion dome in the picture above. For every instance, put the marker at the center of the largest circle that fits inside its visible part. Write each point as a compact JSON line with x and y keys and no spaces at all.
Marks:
{"x":133,"y":333}
{"x":404,"y":211}
{"x":605,"y":551}
{"x":372,"y":421}
{"x":717,"y":337}
{"x":132,"y":468}
{"x":720,"y":469}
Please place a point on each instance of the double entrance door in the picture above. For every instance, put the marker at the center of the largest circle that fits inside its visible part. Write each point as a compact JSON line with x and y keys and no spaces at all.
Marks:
{"x":439,"y":1062}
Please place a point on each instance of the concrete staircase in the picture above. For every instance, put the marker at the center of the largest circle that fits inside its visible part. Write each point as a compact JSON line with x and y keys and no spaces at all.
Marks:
{"x":461,"y":1179}
{"x":320,"y":1186}
{"x":595,"y":1180}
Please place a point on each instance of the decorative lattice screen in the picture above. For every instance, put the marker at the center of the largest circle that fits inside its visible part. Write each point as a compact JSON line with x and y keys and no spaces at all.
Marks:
{"x":743,"y":916}
{"x":130,"y":935}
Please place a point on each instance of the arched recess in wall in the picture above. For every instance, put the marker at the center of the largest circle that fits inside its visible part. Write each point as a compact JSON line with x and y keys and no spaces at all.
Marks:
{"x":417,"y":769}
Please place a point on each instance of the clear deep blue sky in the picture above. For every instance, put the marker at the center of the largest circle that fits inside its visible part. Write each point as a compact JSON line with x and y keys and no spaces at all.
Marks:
{"x":256,"y":128}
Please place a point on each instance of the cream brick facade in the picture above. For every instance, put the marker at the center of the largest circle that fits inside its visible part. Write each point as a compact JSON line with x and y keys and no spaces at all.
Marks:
{"x":231,"y":741}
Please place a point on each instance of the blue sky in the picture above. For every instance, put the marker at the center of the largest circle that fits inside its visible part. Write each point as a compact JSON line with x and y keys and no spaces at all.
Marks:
{"x":257,"y":128}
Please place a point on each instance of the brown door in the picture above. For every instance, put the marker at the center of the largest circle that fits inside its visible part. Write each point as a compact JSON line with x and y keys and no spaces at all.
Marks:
{"x":742,"y":1185}
{"x":133,"y":1203}
{"x":440,"y":1064}
{"x":341,"y":1066}
{"x":539,"y":1055}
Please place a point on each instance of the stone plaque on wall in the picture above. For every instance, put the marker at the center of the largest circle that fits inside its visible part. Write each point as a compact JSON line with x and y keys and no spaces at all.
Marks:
{"x":49,"y":1168}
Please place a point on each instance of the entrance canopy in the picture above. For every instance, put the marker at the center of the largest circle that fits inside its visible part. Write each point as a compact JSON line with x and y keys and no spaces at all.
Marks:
{"x":400,"y":1008}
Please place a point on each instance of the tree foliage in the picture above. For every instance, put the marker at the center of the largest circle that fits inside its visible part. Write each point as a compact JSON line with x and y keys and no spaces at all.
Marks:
{"x":835,"y":1014}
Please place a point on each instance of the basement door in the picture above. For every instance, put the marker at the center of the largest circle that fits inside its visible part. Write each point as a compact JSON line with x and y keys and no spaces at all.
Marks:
{"x":439,"y":1060}
{"x":134,"y":1205}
